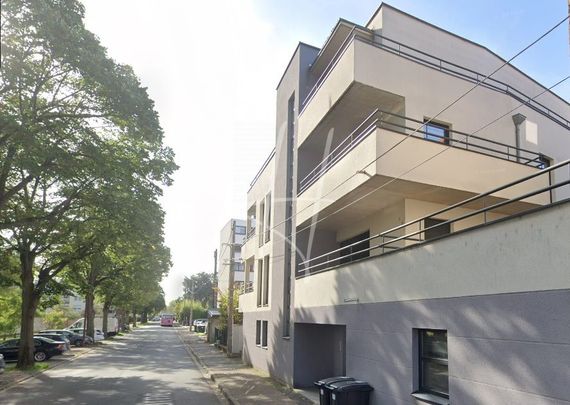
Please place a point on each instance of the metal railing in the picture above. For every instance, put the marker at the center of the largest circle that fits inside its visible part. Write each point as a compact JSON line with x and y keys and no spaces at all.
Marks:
{"x":395,"y":122}
{"x":390,"y":240}
{"x":246,"y":287}
{"x":249,"y":234}
{"x":442,"y":65}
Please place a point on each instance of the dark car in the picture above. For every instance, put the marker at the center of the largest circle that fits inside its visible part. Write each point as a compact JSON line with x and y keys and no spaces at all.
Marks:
{"x":56,"y":338}
{"x":76,"y":339}
{"x":44,"y":348}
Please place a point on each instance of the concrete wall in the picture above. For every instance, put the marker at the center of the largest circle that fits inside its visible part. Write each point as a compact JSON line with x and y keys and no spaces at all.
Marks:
{"x":251,"y":250}
{"x":501,"y":291}
{"x":520,"y":254}
{"x":277,"y":358}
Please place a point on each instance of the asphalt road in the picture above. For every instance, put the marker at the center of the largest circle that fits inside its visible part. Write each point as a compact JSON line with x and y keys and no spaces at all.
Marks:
{"x":148,"y":366}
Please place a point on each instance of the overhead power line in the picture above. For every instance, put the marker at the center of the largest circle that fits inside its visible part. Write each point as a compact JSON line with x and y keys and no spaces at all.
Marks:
{"x":434,"y":117}
{"x":399,"y":177}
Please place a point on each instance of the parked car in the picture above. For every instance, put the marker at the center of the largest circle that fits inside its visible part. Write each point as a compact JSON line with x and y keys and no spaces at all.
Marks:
{"x":56,"y":338}
{"x":44,"y":348}
{"x":76,"y":339}
{"x":200,"y":325}
{"x":2,"y":363}
{"x":98,"y":334}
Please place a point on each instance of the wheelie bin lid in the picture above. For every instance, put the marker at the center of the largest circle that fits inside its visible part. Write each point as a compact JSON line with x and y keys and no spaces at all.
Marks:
{"x":330,"y":380}
{"x":351,"y":386}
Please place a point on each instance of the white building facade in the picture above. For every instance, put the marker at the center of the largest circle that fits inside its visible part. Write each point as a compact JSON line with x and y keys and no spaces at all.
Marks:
{"x":418,"y":247}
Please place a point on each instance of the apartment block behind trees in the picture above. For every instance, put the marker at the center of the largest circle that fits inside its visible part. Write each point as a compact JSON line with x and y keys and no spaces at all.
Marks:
{"x":391,"y":238}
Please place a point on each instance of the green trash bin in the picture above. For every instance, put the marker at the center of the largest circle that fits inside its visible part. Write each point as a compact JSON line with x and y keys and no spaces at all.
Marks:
{"x":350,"y":393}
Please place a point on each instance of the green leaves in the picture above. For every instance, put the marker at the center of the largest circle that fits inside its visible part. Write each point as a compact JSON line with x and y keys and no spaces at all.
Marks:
{"x":82,"y":159}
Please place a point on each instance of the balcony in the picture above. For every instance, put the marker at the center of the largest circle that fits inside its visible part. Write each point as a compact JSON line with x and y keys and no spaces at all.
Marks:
{"x":387,"y":146}
{"x":474,"y":212}
{"x":368,"y":58}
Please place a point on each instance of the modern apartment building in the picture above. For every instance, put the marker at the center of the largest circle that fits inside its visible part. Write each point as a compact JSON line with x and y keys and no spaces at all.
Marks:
{"x":232,"y":237}
{"x":390,"y":238}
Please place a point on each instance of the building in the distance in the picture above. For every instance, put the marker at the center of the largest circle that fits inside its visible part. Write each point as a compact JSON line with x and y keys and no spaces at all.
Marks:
{"x":404,"y":237}
{"x":232,"y":237}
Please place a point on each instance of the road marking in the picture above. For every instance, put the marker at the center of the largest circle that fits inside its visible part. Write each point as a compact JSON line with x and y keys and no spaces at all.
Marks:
{"x":159,"y":397}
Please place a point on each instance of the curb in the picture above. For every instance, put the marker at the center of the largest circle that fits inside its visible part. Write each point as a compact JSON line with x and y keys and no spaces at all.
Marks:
{"x":205,"y":371}
{"x":290,"y":392}
{"x":26,"y":378}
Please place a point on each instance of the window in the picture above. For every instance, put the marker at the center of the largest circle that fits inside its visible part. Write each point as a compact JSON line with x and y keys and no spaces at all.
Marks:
{"x":258,"y":333}
{"x":251,"y":221}
{"x":360,"y":249}
{"x":268,"y":219}
{"x":261,"y":222}
{"x":240,"y":230}
{"x":435,"y":232}
{"x":238,"y":266}
{"x":436,"y":132}
{"x":264,"y":326}
{"x":259,"y":281}
{"x":543,"y":162}
{"x":265,"y":281}
{"x":433,"y":372}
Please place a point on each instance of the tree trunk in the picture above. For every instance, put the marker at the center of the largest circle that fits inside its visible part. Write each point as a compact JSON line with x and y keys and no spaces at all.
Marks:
{"x":106,"y":308}
{"x":134,"y":318}
{"x":30,"y":300}
{"x":144,"y":317}
{"x":89,"y":320}
{"x":94,"y":267}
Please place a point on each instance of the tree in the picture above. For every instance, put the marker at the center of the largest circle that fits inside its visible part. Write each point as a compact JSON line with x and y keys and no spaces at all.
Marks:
{"x":75,"y":128}
{"x":237,"y":316}
{"x":183,"y":308}
{"x":199,"y":287}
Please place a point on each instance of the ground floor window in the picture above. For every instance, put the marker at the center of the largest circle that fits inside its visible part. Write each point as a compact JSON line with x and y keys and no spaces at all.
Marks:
{"x":264,"y":327}
{"x":433,"y":369}
{"x":258,"y":333}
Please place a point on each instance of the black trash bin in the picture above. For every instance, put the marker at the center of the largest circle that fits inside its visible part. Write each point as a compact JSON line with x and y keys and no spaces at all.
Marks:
{"x":324,"y":389}
{"x":350,"y":393}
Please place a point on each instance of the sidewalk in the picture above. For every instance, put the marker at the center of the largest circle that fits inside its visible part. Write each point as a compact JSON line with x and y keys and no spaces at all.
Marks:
{"x":239,"y":383}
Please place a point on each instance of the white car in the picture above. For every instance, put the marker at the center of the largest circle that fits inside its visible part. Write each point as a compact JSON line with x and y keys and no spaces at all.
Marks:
{"x":98,"y":334}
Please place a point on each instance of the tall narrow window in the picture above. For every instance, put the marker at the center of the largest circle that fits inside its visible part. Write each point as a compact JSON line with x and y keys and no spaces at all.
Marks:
{"x":249,"y":275}
{"x":258,"y":333}
{"x":288,"y":217}
{"x":265,"y":281}
{"x":259,"y":281}
{"x":261,"y":222}
{"x":251,"y":221}
{"x":433,"y":367}
{"x":357,"y":247}
{"x":264,"y":327}
{"x":436,"y":132}
{"x":268,"y":218}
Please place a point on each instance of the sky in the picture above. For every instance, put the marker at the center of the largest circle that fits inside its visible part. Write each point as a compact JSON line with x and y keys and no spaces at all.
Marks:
{"x":212,"y":68}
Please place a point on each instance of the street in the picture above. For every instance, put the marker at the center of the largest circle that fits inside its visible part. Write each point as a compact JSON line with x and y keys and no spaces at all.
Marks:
{"x":148,"y":366}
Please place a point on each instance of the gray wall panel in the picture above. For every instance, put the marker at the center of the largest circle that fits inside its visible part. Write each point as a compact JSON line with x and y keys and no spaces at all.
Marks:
{"x":501,"y":344}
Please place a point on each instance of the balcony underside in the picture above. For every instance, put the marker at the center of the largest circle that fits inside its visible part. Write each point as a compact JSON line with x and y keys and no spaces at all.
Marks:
{"x":448,"y":178}
{"x":380,"y":192}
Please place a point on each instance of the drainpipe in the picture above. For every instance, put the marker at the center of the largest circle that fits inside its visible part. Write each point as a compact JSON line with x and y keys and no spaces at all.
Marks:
{"x":518,"y":119}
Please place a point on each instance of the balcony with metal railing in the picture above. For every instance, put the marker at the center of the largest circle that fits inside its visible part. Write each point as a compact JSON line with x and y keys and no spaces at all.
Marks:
{"x":386,"y":146}
{"x":394,"y":47}
{"x":473,"y":212}
{"x":379,"y":119}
